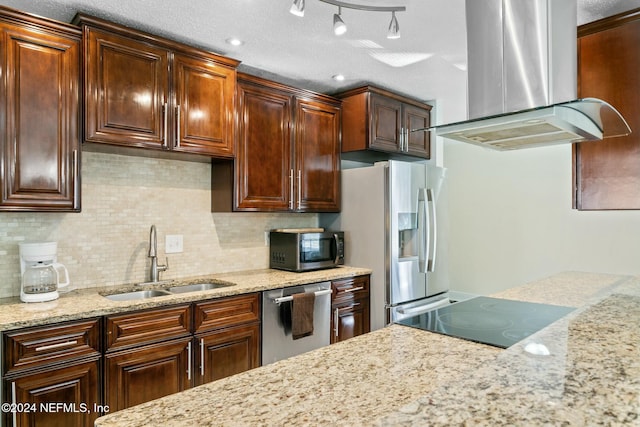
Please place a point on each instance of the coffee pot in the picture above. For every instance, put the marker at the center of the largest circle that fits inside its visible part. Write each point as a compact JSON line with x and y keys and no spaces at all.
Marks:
{"x":42,"y":275}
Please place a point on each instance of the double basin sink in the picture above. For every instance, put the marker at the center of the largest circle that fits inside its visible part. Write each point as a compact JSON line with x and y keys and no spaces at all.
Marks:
{"x":153,"y":293}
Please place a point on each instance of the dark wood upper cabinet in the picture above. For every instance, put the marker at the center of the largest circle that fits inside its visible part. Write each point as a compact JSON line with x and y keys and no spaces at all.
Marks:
{"x":148,"y":92}
{"x":126,"y":90}
{"x":317,"y":156}
{"x":288,"y":154}
{"x":263,"y":161}
{"x":607,"y":173}
{"x":39,"y":114}
{"x":205,"y":101}
{"x":379,"y":121}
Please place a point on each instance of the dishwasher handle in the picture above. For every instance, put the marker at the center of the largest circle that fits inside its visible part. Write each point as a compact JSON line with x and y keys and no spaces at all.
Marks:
{"x":319,"y":293}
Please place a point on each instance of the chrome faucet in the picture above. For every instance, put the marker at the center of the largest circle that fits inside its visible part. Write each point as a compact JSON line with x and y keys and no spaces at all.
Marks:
{"x":153,"y":254}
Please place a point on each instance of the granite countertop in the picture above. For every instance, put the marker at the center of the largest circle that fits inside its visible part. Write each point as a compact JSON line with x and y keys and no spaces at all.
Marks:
{"x":404,"y":376}
{"x":87,"y":303}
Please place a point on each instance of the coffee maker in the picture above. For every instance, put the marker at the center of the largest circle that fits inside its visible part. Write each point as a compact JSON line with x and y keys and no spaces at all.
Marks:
{"x":41,"y":274}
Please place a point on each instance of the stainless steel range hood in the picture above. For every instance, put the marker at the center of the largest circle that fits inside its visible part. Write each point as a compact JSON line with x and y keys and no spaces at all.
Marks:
{"x":522,"y":79}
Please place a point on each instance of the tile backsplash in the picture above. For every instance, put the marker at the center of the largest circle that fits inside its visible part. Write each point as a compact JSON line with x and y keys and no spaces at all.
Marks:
{"x":122,"y":196}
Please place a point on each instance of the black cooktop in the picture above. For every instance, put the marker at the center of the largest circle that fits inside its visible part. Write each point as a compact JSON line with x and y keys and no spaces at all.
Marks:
{"x":493,"y":321}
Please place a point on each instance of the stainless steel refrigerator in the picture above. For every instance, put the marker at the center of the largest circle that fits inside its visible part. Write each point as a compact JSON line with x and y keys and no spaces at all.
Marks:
{"x":390,"y":219}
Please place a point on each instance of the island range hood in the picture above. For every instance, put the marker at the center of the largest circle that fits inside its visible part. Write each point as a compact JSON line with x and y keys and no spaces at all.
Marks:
{"x":522,"y":79}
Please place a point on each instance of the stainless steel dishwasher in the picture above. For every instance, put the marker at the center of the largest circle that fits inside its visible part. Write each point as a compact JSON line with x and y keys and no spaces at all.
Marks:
{"x":277,"y":342}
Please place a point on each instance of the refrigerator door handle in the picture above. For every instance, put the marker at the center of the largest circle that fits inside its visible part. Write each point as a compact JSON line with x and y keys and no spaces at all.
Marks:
{"x":427,"y":230}
{"x":431,"y":263}
{"x":424,"y":230}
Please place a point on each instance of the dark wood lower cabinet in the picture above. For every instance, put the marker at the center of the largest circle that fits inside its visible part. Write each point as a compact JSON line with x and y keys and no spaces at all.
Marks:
{"x":228,"y":352}
{"x":145,"y":373}
{"x":66,"y":396}
{"x":350,"y":308}
{"x":60,"y":375}
{"x":157,"y":352}
{"x":350,"y":321}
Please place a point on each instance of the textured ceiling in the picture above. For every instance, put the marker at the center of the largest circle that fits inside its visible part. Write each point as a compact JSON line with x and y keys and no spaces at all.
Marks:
{"x":304,"y":51}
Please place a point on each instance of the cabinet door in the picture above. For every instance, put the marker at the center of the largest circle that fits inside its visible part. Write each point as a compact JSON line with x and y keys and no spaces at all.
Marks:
{"x":607,"y":173}
{"x":205,"y":93}
{"x":317,"y":157}
{"x":350,"y":321}
{"x":147,"y":327}
{"x":126,"y":91}
{"x":228,"y":351}
{"x":386,"y":123}
{"x":223,"y":312}
{"x":263,"y":164}
{"x":76,"y":386}
{"x":39,"y":117}
{"x":417,"y":143}
{"x":146,"y":373}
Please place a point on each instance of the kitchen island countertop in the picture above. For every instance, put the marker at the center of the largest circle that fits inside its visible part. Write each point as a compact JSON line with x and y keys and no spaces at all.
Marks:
{"x":405,"y":376}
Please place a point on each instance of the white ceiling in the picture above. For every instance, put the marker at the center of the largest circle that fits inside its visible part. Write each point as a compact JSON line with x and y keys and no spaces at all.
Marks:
{"x":304,"y":51}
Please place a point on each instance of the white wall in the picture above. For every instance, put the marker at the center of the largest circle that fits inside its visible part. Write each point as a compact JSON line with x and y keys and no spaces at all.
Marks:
{"x":511,"y":220}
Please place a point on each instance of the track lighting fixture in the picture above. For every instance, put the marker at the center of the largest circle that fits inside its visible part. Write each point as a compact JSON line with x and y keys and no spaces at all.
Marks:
{"x":297,"y":8}
{"x":339,"y":27}
{"x":394,"y":28}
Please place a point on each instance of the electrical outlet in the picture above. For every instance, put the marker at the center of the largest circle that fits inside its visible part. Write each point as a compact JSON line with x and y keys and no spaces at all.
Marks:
{"x":173,"y":243}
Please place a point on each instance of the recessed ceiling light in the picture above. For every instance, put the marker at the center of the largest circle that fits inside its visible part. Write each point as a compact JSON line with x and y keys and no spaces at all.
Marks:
{"x":234,"y":41}
{"x":338,"y":77}
{"x":399,"y":59}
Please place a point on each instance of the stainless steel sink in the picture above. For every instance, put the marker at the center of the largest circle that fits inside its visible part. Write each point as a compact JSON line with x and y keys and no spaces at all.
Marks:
{"x":196,"y":287}
{"x":137,"y":295}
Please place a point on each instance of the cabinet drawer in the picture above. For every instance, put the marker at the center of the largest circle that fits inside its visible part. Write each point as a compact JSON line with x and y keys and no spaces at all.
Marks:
{"x":27,"y":348}
{"x":144,"y":327}
{"x":226,"y":312}
{"x":349,"y":289}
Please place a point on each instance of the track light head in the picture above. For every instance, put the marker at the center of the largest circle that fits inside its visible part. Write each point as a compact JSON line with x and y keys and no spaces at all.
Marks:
{"x":339,"y":27}
{"x":297,"y":8}
{"x":394,"y":27}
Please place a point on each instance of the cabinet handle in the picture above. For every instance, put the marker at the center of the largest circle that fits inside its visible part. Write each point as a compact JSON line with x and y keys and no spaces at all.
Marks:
{"x":189,"y":361}
{"x":291,"y":189}
{"x":178,"y":126}
{"x":349,"y":307}
{"x":356,"y":289}
{"x":166,"y":124}
{"x":202,"y":356}
{"x":76,"y":177}
{"x":14,"y":400}
{"x":299,"y":189}
{"x":406,"y":140}
{"x":57,"y":345}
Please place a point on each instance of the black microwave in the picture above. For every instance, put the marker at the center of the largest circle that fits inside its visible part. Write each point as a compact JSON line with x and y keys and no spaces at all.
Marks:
{"x":305,"y":250}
